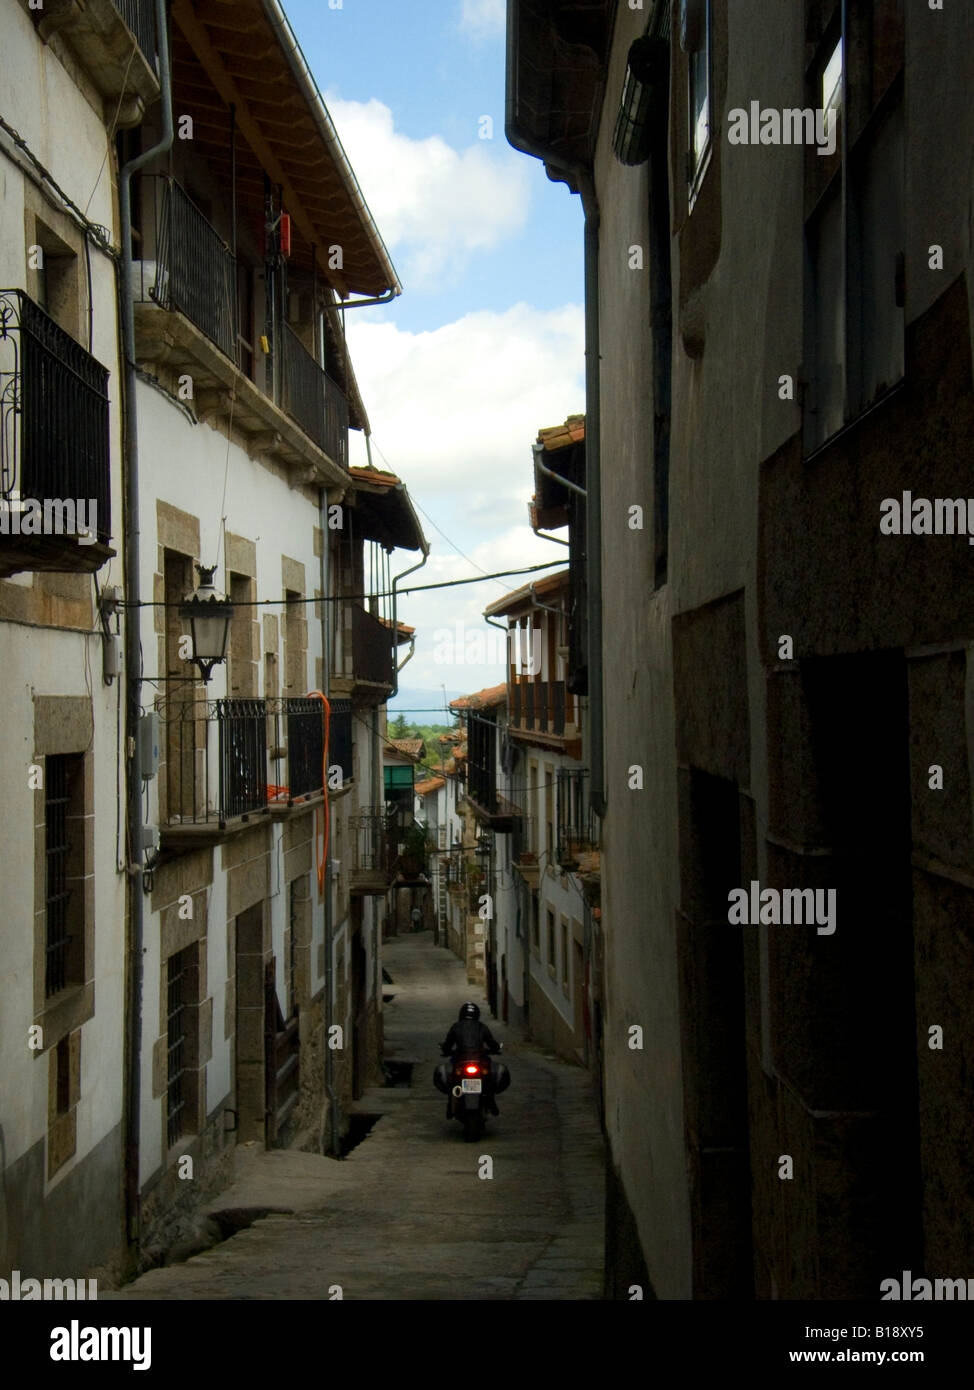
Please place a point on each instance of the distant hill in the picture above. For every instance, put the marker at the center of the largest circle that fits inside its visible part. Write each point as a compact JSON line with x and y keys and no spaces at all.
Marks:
{"x":430,"y":702}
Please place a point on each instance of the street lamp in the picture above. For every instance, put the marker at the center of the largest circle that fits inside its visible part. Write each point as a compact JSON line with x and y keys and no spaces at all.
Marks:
{"x":209,"y":613}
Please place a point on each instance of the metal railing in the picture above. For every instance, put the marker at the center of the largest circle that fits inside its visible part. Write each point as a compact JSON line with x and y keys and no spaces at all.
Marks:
{"x":54,"y":423}
{"x":140,"y":16}
{"x":374,"y":847}
{"x":196,"y":271}
{"x":317,"y":403}
{"x":578,"y":825}
{"x":220,"y":755}
{"x":305,"y":746}
{"x":482,"y":761}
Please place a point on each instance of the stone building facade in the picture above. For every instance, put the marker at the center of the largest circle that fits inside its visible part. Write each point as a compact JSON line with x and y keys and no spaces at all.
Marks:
{"x":779,"y":339}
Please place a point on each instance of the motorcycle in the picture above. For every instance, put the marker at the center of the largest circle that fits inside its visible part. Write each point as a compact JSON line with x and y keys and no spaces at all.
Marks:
{"x":467,"y":1089}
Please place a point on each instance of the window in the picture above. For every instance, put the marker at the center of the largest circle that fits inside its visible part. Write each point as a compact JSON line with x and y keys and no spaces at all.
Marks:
{"x":854,"y":229}
{"x":62,"y":1066}
{"x":52,"y":266}
{"x":64,"y":858}
{"x":549,"y":814}
{"x":564,"y":955}
{"x":695,"y":22}
{"x":64,"y":1088}
{"x":535,"y":927}
{"x":180,"y":995}
{"x":552,"y":960}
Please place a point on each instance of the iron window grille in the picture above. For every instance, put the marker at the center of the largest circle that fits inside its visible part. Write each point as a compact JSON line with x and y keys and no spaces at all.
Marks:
{"x":57,"y":799}
{"x":177,"y":976}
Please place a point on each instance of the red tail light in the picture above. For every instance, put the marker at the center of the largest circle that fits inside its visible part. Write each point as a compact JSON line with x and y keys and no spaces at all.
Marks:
{"x":472,"y":1070}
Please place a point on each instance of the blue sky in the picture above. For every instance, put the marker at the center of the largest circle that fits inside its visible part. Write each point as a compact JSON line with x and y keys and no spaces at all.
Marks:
{"x":439,"y":76}
{"x":485,"y":346}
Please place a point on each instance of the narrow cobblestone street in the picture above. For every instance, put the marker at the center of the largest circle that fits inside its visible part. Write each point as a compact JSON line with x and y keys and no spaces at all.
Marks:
{"x":405,"y":1215}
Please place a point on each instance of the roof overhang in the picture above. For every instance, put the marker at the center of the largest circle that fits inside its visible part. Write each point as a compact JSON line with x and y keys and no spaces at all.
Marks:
{"x":560,"y":450}
{"x":244,"y":53}
{"x":526,"y":598}
{"x":384,"y":511}
{"x":556,"y":57}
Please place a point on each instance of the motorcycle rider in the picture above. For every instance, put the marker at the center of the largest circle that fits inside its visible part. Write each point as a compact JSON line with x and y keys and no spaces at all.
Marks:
{"x":468,"y":1034}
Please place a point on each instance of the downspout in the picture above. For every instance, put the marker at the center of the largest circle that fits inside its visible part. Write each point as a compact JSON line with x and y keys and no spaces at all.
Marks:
{"x":328,"y":921}
{"x":565,"y":482}
{"x":579,"y":178}
{"x":395,"y":625}
{"x":133,"y":597}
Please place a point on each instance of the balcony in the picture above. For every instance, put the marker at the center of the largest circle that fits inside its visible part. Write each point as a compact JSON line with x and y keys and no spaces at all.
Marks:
{"x":545,"y":713}
{"x":230,"y":763}
{"x":196,"y":271}
{"x":373,"y":662}
{"x":314,"y":400}
{"x":340,"y":738}
{"x":186,"y":321}
{"x":102,"y":35}
{"x":55,"y":460}
{"x":375,"y":852}
{"x":578,"y":832}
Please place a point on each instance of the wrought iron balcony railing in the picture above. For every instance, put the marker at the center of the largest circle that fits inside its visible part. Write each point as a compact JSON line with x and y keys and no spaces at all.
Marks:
{"x":140,"y":16}
{"x":233,"y":758}
{"x":578,"y":825}
{"x":316,"y":402}
{"x":374,"y":850}
{"x":54,"y":424}
{"x":340,"y":738}
{"x":196,"y":270}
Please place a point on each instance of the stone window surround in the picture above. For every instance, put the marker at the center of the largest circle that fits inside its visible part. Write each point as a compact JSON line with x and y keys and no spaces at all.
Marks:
{"x":64,"y":724}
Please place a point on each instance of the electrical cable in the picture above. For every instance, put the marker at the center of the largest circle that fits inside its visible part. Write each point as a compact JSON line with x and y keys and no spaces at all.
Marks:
{"x":347,"y":598}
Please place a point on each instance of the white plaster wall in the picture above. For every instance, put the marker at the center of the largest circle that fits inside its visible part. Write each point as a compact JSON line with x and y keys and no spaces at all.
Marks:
{"x":68,"y":136}
{"x":52,"y":663}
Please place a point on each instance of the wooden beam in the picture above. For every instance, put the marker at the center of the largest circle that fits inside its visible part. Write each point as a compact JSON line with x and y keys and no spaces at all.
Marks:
{"x":185,"y":17}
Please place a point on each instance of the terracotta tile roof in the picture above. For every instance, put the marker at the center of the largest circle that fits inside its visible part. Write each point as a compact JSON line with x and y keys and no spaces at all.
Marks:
{"x":431,"y":784}
{"x":411,"y":747}
{"x":484,"y":699}
{"x":559,"y":436}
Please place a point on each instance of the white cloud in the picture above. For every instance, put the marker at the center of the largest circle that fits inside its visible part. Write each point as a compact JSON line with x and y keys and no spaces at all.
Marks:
{"x":455,"y":412}
{"x":440,"y":205}
{"x":483,"y":18}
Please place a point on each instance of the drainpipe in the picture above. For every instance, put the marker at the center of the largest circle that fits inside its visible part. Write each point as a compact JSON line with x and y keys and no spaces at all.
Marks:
{"x":395,"y":626}
{"x":133,"y":664}
{"x":550,"y":473}
{"x":579,"y":179}
{"x":329,"y":923}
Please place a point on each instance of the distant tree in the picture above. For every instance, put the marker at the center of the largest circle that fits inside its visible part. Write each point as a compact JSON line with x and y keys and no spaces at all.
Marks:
{"x":399,"y":726}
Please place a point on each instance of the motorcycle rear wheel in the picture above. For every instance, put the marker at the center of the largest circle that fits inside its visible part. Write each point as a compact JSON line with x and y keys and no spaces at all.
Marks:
{"x":473,"y":1125}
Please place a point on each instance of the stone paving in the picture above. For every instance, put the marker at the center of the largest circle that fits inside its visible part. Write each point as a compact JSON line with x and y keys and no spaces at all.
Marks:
{"x":406,"y":1215}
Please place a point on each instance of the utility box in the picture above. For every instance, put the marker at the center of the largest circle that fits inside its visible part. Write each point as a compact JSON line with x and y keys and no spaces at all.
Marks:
{"x":149,"y":744}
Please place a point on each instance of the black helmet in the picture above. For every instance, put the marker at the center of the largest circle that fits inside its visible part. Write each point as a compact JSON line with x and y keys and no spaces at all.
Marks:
{"x":469,"y":1011}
